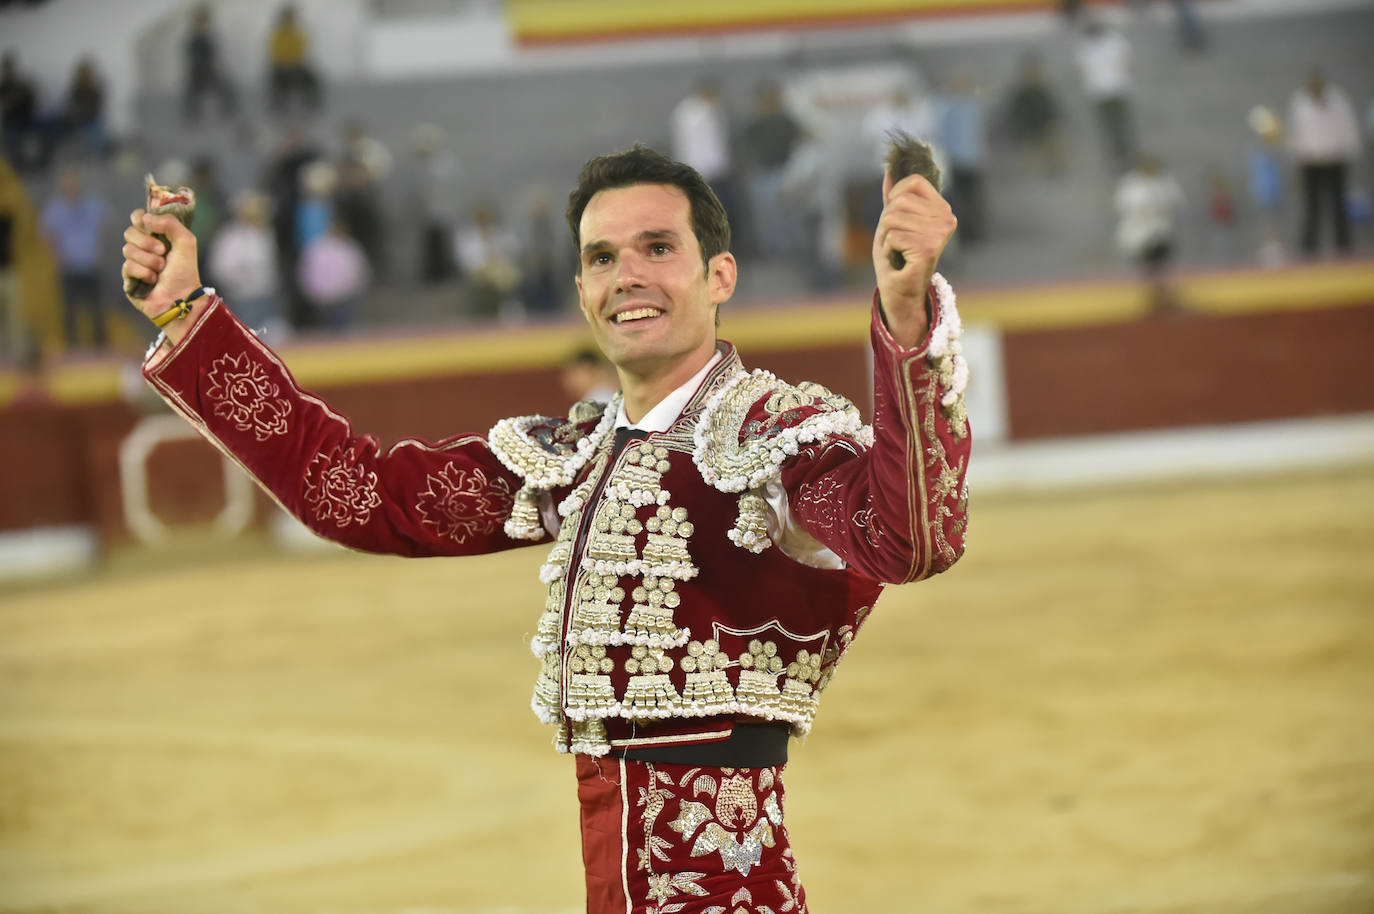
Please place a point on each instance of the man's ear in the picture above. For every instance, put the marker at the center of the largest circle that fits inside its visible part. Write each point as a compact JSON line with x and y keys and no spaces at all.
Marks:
{"x":721,"y":274}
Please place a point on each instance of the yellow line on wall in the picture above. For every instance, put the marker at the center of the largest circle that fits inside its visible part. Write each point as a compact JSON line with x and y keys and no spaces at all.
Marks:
{"x":554,"y":20}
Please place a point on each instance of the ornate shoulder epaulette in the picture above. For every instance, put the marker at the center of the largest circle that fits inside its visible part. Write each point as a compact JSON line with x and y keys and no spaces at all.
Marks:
{"x":547,"y":453}
{"x":752,"y":425}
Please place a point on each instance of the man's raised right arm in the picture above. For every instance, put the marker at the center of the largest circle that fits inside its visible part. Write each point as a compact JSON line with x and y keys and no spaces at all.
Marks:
{"x":447,"y":498}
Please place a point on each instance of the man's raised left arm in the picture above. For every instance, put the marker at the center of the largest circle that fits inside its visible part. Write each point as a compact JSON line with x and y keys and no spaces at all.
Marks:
{"x":897,"y":510}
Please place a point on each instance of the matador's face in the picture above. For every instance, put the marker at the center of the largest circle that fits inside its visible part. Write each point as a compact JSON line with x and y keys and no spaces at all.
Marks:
{"x":650,"y":301}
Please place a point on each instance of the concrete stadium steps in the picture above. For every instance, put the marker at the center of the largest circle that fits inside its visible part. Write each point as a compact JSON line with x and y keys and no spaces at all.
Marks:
{"x":533,"y":128}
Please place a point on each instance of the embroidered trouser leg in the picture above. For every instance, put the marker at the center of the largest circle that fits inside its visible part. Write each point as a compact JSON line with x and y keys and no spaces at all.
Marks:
{"x":687,"y":839}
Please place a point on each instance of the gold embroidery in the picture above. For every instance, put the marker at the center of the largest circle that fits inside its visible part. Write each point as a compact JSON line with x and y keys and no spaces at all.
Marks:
{"x":946,"y":478}
{"x":762,"y":656}
{"x":691,"y":815}
{"x":806,"y":668}
{"x":651,"y":695}
{"x":751,"y":525}
{"x":707,"y":690}
{"x":735,"y":455}
{"x":758,"y":690}
{"x":798,"y":699}
{"x":524,"y":522}
{"x":546,"y":455}
{"x":661,"y":549}
{"x":590,"y":695}
{"x":587,"y":736}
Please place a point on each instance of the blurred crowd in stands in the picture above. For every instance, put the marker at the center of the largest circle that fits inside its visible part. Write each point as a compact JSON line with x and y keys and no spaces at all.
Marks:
{"x":295,"y":225}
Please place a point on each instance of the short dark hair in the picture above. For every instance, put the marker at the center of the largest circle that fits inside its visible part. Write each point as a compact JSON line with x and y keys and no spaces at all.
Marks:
{"x":641,"y":164}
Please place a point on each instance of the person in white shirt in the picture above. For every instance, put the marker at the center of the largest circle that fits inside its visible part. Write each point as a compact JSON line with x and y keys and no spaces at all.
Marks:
{"x":700,"y":137}
{"x":1104,"y":61}
{"x":1324,"y":137}
{"x":1147,"y":202}
{"x":243,"y":262}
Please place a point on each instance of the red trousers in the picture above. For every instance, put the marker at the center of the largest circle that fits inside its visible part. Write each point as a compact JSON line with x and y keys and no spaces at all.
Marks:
{"x":679,"y":839}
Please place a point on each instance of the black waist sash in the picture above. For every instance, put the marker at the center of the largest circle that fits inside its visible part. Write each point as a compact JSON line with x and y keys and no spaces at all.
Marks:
{"x":750,"y":745}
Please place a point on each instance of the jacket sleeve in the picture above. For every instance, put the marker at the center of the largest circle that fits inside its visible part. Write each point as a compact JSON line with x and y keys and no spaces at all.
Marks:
{"x":897,"y":510}
{"x":416,"y":499}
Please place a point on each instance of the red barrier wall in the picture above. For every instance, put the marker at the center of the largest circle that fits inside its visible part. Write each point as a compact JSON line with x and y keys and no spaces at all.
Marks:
{"x":60,"y":463}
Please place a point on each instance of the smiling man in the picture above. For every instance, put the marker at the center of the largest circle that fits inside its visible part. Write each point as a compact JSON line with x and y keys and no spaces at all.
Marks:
{"x":719,"y":535}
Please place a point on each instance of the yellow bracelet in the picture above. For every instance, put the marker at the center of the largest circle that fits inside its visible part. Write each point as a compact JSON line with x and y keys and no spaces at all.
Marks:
{"x":180,"y":308}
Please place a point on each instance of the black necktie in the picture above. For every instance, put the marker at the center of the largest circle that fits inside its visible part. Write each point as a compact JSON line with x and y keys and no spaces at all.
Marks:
{"x":624,"y":436}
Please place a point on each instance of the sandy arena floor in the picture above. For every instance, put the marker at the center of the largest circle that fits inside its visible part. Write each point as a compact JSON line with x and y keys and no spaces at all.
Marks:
{"x":1157,"y":701}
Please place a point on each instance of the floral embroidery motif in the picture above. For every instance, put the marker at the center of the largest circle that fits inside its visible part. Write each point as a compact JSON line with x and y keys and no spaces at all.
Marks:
{"x":823,"y":500}
{"x":871,"y":523}
{"x":462,"y":503}
{"x":339,"y":488}
{"x":244,"y":395}
{"x":737,"y":821}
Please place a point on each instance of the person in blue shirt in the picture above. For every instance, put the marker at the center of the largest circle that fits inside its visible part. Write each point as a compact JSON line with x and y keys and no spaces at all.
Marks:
{"x":72,"y":223}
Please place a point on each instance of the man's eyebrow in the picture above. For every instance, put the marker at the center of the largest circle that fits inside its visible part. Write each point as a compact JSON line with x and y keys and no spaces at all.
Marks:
{"x":602,"y":244}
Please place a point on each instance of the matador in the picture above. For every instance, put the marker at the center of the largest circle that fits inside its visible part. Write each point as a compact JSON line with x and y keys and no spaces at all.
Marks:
{"x":718,"y":536}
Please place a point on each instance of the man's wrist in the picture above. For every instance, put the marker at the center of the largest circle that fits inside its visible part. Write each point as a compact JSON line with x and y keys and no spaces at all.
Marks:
{"x":184,"y":314}
{"x":911,"y":327}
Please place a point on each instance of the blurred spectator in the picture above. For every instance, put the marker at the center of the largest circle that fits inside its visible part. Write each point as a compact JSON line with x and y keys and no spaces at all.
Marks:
{"x":588,"y":376}
{"x":289,"y":60}
{"x":204,"y":70}
{"x":1324,"y":136}
{"x":1264,"y":167}
{"x":903,"y":112}
{"x":434,"y":196}
{"x":25,"y":144}
{"x":1147,"y":204}
{"x":1191,"y":35}
{"x":962,"y":134}
{"x":285,"y":191}
{"x":243,"y":266}
{"x":487,"y":254}
{"x":315,"y":211}
{"x":1221,"y":213}
{"x":211,"y":202}
{"x":334,"y":276}
{"x":543,"y":280}
{"x":768,"y":141}
{"x":813,"y":184}
{"x":1031,"y":118}
{"x":1104,"y":61}
{"x":363,"y":165}
{"x":13,"y":327}
{"x":73,"y":222}
{"x":84,"y":115}
{"x":700,"y":129}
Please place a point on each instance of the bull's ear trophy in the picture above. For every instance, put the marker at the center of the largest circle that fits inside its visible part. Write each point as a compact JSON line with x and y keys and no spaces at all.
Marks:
{"x":905,"y":157}
{"x":163,"y":201}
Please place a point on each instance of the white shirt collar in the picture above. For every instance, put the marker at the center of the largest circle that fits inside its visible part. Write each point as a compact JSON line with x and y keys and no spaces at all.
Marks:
{"x":662,"y":416}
